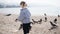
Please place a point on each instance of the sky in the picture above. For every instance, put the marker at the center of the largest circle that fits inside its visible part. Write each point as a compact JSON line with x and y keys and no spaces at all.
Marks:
{"x":37,"y":3}
{"x":31,"y":2}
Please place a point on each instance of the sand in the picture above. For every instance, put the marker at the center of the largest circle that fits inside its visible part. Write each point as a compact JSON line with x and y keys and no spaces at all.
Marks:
{"x":9,"y":26}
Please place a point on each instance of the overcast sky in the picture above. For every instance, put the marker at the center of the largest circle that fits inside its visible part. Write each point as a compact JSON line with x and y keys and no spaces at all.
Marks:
{"x":38,"y":2}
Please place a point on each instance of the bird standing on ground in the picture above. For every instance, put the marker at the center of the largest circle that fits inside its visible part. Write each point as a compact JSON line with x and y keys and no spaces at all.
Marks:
{"x":8,"y":15}
{"x":53,"y":25}
{"x":34,"y":21}
{"x":45,"y":19}
{"x":40,"y":21}
{"x":55,"y":20}
{"x":58,"y":15}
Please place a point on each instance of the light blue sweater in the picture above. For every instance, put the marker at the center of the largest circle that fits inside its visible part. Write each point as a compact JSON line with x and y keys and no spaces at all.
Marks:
{"x":24,"y":16}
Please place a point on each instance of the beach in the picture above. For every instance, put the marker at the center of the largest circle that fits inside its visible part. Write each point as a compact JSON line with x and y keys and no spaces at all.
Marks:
{"x":9,"y":26}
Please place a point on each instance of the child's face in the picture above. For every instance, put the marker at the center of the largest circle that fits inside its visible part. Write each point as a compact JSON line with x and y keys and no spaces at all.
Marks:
{"x":23,"y":6}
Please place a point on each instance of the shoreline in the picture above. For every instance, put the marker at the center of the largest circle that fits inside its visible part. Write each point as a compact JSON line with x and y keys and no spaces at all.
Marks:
{"x":31,"y":14}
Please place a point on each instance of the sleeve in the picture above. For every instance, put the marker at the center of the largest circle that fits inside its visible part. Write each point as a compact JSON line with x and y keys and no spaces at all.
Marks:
{"x":21,"y":16}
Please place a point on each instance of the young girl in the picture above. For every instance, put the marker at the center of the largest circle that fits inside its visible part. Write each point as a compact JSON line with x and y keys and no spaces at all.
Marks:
{"x":24,"y":17}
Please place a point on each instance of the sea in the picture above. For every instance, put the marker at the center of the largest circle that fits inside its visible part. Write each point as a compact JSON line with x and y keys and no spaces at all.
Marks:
{"x":51,"y":11}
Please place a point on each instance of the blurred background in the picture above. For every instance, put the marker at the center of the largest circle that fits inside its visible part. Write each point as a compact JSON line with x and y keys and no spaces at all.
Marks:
{"x":36,"y":7}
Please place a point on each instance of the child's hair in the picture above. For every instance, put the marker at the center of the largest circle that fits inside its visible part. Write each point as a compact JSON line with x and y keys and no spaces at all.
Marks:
{"x":22,"y":2}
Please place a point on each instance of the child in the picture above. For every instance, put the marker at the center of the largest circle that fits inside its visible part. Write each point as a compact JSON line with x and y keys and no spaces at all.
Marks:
{"x":24,"y":17}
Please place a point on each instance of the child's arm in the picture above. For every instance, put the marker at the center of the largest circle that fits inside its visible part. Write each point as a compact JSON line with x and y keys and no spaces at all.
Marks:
{"x":20,"y":17}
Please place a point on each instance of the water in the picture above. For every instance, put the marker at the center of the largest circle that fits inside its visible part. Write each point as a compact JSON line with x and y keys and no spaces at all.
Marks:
{"x":53,"y":11}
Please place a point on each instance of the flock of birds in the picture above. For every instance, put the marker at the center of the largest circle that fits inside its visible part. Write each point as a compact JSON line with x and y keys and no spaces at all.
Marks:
{"x":53,"y":24}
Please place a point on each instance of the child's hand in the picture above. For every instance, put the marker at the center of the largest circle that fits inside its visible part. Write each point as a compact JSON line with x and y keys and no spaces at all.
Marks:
{"x":16,"y":20}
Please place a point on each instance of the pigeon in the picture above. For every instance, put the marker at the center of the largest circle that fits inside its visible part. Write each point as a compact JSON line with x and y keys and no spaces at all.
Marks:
{"x":8,"y":14}
{"x":55,"y":20}
{"x":45,"y":14}
{"x":58,"y":15}
{"x":34,"y":21}
{"x":45,"y":19}
{"x":40,"y":21}
{"x":53,"y":25}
